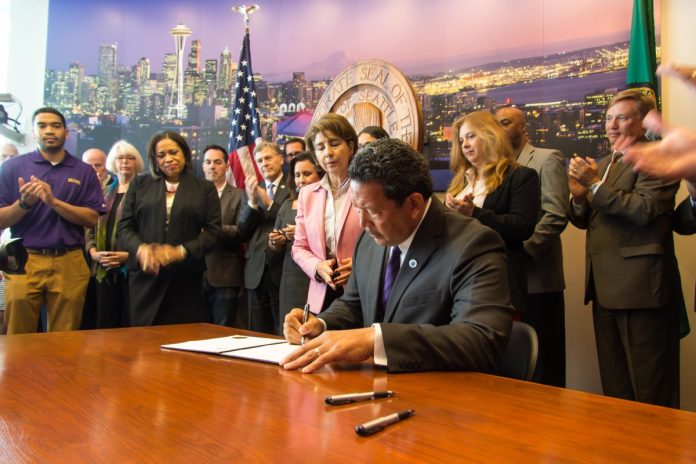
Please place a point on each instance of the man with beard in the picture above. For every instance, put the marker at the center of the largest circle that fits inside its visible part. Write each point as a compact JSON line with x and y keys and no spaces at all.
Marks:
{"x":48,"y":197}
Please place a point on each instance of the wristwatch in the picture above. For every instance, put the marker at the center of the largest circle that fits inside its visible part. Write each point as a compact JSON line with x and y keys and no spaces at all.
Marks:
{"x":24,"y":205}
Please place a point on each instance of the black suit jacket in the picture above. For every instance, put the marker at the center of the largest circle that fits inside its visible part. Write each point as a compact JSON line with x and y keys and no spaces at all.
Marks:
{"x":511,"y":210}
{"x":449,"y":307}
{"x":262,"y":220}
{"x":684,"y":221}
{"x":194,"y":222}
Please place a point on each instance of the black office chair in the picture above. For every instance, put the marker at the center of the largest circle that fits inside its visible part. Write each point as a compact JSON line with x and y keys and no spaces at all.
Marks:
{"x":520,"y":357}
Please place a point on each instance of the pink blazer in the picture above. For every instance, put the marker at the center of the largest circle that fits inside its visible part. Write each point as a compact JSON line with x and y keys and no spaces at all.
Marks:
{"x":309,"y":248}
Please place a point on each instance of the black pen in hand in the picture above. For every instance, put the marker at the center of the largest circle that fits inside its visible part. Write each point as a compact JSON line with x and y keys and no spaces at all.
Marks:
{"x":305,"y":318}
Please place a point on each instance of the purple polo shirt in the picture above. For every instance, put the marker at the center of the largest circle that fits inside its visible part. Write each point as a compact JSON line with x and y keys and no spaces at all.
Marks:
{"x":71,"y":181}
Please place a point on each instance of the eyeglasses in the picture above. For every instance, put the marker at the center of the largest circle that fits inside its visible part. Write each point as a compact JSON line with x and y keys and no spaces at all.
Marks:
{"x":125,"y":157}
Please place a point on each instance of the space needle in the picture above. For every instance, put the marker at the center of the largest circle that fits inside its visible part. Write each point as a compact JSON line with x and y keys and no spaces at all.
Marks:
{"x":177,"y":108}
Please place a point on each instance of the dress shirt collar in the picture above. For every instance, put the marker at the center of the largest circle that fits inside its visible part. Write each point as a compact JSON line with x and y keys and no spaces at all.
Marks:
{"x":406,"y":244}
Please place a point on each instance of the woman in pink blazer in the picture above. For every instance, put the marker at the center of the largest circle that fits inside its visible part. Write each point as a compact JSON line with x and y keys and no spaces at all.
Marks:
{"x":327,"y":225}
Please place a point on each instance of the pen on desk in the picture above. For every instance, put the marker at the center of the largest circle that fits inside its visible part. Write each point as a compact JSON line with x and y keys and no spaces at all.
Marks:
{"x":304,"y":320}
{"x":335,"y":400}
{"x":374,"y":426}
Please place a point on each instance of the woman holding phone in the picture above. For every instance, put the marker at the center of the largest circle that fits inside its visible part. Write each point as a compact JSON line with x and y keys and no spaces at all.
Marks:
{"x":294,"y":284}
{"x":327,"y":224}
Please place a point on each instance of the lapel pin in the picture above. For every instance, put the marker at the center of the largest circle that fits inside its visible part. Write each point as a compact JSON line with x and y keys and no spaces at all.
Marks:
{"x":412,"y":264}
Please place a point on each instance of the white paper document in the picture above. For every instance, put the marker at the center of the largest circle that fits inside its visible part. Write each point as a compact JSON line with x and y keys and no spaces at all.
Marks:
{"x":269,"y":350}
{"x":266,"y":353}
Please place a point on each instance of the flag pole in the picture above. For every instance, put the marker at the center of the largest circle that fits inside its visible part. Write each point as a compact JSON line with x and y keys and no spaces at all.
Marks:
{"x":245,"y":130}
{"x":246,"y":11}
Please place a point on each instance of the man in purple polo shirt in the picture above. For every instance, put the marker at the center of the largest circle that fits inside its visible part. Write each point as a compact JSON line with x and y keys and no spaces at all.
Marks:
{"x":47,"y":197}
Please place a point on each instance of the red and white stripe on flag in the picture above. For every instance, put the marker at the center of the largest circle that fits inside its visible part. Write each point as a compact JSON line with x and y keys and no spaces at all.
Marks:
{"x":242,"y":165}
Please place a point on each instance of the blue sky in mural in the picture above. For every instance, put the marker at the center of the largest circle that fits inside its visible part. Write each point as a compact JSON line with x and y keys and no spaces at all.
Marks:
{"x":322,"y":36}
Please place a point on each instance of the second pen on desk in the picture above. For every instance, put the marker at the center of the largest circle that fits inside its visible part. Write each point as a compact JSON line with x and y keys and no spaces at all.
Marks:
{"x":305,"y":317}
{"x":335,"y":400}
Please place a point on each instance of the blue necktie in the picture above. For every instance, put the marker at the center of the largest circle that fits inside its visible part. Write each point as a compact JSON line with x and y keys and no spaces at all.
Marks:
{"x":270,"y":190}
{"x":390,"y":274}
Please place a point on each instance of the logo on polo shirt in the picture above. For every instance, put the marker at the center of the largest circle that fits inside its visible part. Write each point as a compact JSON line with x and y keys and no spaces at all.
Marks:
{"x":74,"y":181}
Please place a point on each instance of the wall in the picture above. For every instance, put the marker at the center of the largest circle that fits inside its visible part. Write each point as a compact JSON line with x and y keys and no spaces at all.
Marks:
{"x":25,"y":80}
{"x":679,"y":46}
{"x":27,"y":59}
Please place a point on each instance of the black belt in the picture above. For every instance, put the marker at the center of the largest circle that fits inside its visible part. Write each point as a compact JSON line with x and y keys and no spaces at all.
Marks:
{"x":52,"y":251}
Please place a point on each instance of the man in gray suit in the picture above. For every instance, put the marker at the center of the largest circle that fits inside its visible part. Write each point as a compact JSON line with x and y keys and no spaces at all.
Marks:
{"x":545,"y":284}
{"x":429,"y":286}
{"x":263,"y":270}
{"x":631,"y":271}
{"x":223,"y":276}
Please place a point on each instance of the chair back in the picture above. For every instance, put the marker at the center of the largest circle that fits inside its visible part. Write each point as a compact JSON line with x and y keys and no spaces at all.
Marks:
{"x":520,"y":359}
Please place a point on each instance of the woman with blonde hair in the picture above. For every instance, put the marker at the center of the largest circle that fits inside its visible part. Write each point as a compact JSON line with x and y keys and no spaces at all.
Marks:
{"x":490,"y":186}
{"x":108,"y":260}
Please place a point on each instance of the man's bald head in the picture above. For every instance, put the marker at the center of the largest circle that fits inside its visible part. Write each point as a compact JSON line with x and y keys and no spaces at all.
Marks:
{"x":512,"y":120}
{"x":97,"y":159}
{"x":8,"y":151}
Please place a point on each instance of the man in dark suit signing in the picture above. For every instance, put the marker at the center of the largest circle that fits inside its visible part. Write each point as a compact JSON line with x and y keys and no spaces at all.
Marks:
{"x":429,"y":286}
{"x":261,"y":273}
{"x":631,"y":272}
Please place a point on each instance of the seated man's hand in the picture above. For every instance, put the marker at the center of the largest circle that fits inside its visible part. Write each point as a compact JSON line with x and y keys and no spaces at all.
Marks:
{"x":355,"y":345}
{"x":294,"y":330}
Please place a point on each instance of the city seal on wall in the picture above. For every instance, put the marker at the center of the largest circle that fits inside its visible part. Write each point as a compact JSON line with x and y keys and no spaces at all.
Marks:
{"x":375,"y":93}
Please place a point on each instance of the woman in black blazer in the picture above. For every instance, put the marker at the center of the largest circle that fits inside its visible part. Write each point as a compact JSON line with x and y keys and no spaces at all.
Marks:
{"x":294,"y":283}
{"x":171,"y":219}
{"x":490,"y":186}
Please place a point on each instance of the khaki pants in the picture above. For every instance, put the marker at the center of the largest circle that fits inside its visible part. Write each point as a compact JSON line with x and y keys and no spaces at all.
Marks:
{"x":60,"y":282}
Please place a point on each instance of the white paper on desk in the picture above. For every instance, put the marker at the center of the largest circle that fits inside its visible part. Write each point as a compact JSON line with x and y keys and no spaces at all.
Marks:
{"x":224,"y":344}
{"x":268,"y":353}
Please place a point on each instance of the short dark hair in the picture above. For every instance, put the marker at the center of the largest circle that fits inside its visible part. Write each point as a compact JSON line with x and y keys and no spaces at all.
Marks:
{"x":213,"y":146}
{"x":375,"y":131}
{"x":152,"y":150}
{"x":335,"y":123}
{"x":294,"y":140}
{"x":48,"y":109}
{"x":396,"y":166}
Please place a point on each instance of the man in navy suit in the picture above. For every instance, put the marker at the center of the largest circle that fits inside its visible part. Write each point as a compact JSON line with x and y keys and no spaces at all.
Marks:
{"x":429,"y":286}
{"x":263,"y":270}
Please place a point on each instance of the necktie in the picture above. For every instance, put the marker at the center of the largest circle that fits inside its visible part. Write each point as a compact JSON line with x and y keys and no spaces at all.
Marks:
{"x":269,"y":187}
{"x":390,"y":274}
{"x":615,"y":157}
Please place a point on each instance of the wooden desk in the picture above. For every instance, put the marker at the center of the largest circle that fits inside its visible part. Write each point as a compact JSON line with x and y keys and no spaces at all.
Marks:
{"x":114,"y":396}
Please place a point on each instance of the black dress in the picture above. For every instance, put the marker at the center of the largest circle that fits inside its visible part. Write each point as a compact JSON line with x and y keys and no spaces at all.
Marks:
{"x":294,"y":283}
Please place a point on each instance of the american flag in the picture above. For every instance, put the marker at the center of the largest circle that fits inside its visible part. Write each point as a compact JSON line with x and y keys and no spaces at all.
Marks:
{"x":245,"y":132}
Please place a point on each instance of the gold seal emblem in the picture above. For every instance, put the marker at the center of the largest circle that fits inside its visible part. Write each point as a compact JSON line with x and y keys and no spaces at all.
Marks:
{"x":375,"y":93}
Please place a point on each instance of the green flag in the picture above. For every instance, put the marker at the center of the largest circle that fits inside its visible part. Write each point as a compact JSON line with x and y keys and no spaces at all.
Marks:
{"x":642,"y":60}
